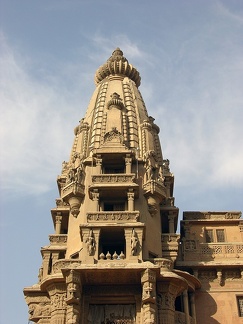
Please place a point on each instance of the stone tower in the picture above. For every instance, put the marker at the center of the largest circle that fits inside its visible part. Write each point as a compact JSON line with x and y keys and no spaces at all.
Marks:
{"x":111,"y":259}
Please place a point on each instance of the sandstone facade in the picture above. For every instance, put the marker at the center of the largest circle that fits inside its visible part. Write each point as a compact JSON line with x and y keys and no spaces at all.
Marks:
{"x":115,"y":256}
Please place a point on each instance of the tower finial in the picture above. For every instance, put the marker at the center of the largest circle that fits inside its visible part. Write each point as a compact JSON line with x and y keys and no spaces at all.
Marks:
{"x":117,"y":64}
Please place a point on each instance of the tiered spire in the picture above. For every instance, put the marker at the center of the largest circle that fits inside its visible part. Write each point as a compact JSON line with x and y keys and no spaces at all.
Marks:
{"x":117,"y":64}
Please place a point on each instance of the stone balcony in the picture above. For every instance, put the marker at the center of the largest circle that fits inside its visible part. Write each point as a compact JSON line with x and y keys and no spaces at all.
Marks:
{"x":154,"y":187}
{"x":72,"y":189}
{"x":118,"y":182}
{"x":170,"y":245}
{"x":58,"y":239}
{"x":225,"y":250}
{"x":113,"y":217}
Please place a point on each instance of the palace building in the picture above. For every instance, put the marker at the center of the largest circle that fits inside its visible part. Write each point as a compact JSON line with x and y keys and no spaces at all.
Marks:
{"x":115,"y":256}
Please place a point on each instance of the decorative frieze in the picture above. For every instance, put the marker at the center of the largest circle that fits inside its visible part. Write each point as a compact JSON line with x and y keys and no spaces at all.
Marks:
{"x":64,"y":264}
{"x":113,"y":178}
{"x":211,"y":215}
{"x":164,"y":264}
{"x":222,"y":249}
{"x":170,"y":238}
{"x":119,"y":216}
{"x":58,"y":239}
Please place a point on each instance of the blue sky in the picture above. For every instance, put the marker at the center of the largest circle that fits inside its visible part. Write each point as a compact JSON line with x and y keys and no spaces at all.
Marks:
{"x":189,"y":55}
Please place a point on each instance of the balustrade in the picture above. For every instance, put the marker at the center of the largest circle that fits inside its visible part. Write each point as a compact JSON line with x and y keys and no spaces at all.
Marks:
{"x":112,"y":178}
{"x":58,"y":239}
{"x":223,"y":250}
{"x":114,"y":256}
{"x":113,"y":216}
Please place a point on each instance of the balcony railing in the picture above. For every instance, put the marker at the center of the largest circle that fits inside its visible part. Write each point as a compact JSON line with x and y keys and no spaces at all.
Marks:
{"x":113,"y":178}
{"x":113,"y":216}
{"x":206,"y":251}
{"x":58,"y":239}
{"x":225,"y":250}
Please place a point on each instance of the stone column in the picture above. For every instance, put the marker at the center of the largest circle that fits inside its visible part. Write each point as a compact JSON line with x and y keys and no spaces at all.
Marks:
{"x":193,"y":308}
{"x":98,"y":165}
{"x":185,"y":305}
{"x":171,"y":218}
{"x":54,"y":256}
{"x":130,"y":197}
{"x":128,"y":162}
{"x":167,"y":292}
{"x":58,"y":222}
{"x":73,"y":297}
{"x":45,"y":262}
{"x":57,"y":293}
{"x":167,"y":188}
{"x":148,"y":280}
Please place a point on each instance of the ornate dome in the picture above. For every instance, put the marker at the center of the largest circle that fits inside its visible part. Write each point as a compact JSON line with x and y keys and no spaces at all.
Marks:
{"x":117,"y":64}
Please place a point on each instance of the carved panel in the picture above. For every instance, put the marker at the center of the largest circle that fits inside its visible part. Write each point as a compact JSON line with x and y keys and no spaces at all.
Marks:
{"x":120,"y":216}
{"x":113,"y":178}
{"x":211,"y":215}
{"x":58,"y":239}
{"x":62,"y":264}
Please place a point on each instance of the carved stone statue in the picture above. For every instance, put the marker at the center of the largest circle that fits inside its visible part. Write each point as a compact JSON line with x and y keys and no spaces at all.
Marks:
{"x":79,"y":173}
{"x":134,"y":243}
{"x":71,"y":175}
{"x":90,"y":242}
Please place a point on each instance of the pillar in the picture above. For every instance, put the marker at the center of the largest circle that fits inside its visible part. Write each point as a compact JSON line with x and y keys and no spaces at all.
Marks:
{"x":45,"y":262}
{"x":58,"y":222}
{"x":98,"y":165}
{"x":171,"y":218}
{"x":73,"y":299}
{"x":130,"y":197}
{"x":57,"y":293}
{"x":128,"y":162}
{"x":167,"y":292}
{"x":95,"y":198}
{"x":185,"y":305}
{"x":148,"y":280}
{"x":192,"y":303}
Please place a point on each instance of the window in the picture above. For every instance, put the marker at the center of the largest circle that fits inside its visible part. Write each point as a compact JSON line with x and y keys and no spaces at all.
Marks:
{"x":220,"y":235}
{"x":112,"y":241}
{"x":212,"y":235}
{"x":240,"y":305}
{"x":209,"y":235}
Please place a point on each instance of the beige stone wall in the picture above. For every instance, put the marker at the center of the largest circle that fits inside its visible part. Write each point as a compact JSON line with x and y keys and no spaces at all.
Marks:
{"x":218,"y":307}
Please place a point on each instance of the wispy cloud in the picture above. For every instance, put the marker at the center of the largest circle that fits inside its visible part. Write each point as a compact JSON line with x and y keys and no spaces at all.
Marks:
{"x":33,"y":118}
{"x":228,"y":13}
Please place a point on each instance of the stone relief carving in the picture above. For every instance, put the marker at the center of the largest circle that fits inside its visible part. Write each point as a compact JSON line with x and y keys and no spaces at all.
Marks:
{"x":58,"y":301}
{"x":90,"y":243}
{"x":115,"y":101}
{"x":40,"y":310}
{"x":151,"y":165}
{"x":63,"y":264}
{"x":166,"y":166}
{"x":114,"y":136}
{"x":112,"y":216}
{"x":134,"y":243}
{"x":75,"y":174}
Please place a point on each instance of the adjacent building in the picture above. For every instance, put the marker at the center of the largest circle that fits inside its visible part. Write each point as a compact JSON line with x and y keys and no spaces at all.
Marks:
{"x":115,"y":256}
